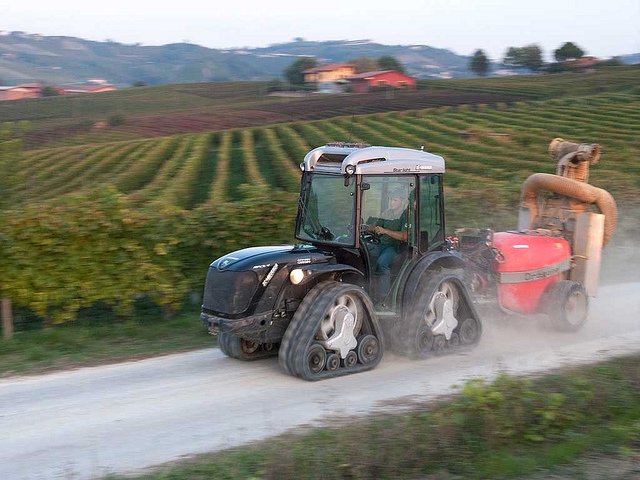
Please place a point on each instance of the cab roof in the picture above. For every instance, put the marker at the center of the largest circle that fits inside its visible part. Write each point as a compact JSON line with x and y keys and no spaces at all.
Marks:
{"x":367,"y":160}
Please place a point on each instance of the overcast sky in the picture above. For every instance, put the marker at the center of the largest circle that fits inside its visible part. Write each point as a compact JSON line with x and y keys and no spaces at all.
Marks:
{"x":603,"y":28}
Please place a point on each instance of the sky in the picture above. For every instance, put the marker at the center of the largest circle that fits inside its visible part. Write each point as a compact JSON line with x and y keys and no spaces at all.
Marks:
{"x":602,"y":28}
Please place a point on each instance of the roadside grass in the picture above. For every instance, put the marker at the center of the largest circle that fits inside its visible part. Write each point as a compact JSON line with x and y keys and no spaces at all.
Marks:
{"x":508,"y":428}
{"x":94,"y":342}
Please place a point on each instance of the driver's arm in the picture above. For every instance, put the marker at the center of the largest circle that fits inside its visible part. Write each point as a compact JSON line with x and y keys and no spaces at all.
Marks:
{"x":402,"y":235}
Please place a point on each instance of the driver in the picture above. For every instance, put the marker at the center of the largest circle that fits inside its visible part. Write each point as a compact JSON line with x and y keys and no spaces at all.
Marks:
{"x":392,"y":229}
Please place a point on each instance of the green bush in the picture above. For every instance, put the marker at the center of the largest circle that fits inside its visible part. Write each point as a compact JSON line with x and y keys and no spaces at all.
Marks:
{"x":115,"y":120}
{"x":60,"y":257}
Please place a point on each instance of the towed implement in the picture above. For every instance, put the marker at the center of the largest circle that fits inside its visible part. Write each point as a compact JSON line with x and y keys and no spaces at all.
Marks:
{"x":375,"y":269}
{"x":551,"y":264}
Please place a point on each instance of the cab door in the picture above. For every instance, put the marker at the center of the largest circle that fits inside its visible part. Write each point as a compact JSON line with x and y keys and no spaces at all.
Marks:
{"x":388,"y":233}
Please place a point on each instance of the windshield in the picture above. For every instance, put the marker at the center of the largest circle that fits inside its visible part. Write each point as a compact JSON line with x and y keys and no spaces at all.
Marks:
{"x":326,"y":211}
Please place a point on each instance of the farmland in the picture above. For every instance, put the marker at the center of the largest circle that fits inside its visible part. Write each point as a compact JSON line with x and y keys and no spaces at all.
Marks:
{"x":500,"y":144}
{"x":156,"y":208}
{"x":160,"y":111}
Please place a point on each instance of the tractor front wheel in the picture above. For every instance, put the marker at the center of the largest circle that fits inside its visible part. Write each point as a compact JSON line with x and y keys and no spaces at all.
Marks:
{"x":242,"y":349}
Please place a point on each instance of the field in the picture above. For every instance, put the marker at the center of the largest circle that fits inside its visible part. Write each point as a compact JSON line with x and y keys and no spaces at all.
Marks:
{"x":498,"y":144}
{"x":159,"y":111}
{"x":156,"y":209}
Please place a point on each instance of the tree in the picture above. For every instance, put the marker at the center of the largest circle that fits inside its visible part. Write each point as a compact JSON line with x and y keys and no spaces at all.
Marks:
{"x":524,"y":57}
{"x":387,"y":62}
{"x":365,"y":64}
{"x":49,"y":91}
{"x":294,"y":72}
{"x":479,"y":63}
{"x":533,"y":57}
{"x":568,"y":51}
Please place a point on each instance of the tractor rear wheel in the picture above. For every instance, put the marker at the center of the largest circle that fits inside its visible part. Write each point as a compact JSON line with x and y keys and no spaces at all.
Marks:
{"x":324,"y":336}
{"x":437,"y":320}
{"x":567,"y":304}
{"x":241,"y":349}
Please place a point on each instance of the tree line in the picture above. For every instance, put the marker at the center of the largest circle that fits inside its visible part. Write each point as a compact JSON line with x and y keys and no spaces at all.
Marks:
{"x":530,"y":57}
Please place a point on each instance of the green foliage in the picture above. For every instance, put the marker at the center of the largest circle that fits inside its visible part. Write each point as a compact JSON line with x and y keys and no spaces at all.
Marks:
{"x":294,"y":72}
{"x":116,"y":119}
{"x":90,"y":248}
{"x":388,"y":62}
{"x":524,"y":57}
{"x":479,"y":63}
{"x":49,"y":91}
{"x":567,"y":51}
{"x":365,"y":64}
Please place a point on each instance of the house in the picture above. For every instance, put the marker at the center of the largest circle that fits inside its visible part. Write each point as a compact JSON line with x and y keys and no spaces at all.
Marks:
{"x":364,"y":82}
{"x":19,"y":92}
{"x":329,"y":73}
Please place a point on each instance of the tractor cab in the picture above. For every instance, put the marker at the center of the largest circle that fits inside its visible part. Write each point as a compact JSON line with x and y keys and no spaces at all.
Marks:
{"x":377,"y":209}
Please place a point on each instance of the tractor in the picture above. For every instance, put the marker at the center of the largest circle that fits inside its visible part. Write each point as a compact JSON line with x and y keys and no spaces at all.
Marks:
{"x":326,"y":306}
{"x":375,"y":269}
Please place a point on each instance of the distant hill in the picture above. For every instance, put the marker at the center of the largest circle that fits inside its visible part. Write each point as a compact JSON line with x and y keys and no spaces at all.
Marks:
{"x":55,"y":60}
{"x":632,"y":59}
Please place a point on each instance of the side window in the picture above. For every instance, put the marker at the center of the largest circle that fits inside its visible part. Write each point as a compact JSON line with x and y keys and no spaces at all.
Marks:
{"x":388,"y":199}
{"x":431,"y":229}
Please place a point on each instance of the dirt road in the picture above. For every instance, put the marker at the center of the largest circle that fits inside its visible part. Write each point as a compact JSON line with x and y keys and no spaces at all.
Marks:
{"x":122,"y":418}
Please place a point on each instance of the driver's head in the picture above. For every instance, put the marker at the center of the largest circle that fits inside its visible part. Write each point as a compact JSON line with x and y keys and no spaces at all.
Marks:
{"x":396,"y":197}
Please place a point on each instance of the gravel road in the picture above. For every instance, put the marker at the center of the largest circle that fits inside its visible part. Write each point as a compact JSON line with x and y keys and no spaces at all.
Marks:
{"x":121,"y":418}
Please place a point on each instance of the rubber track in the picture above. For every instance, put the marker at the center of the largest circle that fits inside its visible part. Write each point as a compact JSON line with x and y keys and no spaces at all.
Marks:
{"x":306,"y":322}
{"x":408,"y":336}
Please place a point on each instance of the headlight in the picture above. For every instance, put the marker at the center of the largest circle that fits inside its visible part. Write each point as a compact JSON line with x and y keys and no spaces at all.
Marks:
{"x":350,"y":169}
{"x":296,"y":276}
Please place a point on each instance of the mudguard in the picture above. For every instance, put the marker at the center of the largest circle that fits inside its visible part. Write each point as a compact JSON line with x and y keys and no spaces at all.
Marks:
{"x":312,"y":272}
{"x":416,"y":277}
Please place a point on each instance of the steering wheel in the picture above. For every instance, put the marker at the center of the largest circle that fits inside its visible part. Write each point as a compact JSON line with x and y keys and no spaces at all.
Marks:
{"x":368,"y":235}
{"x":371,"y":237}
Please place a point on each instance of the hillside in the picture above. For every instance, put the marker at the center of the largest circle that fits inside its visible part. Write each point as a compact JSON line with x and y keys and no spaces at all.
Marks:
{"x":56,"y":60}
{"x":146,"y":169}
{"x":199,"y":107}
{"x":143,"y":214}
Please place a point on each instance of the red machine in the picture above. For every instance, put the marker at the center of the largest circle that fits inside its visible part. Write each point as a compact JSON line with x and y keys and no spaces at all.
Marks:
{"x":552,"y":263}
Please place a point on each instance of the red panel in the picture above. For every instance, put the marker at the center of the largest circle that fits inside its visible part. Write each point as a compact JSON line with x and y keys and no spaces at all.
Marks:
{"x":522,"y":277}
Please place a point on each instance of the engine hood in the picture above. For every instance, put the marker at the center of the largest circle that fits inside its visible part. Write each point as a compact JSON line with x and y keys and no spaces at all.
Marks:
{"x":257,"y":258}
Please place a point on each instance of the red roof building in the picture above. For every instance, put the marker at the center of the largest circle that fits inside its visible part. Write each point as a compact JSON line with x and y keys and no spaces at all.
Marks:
{"x":364,"y":82}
